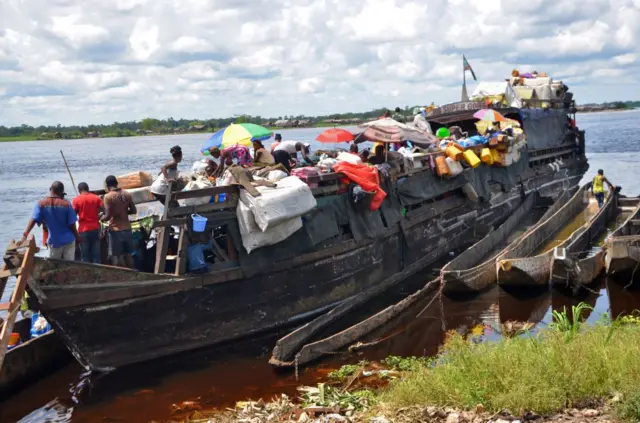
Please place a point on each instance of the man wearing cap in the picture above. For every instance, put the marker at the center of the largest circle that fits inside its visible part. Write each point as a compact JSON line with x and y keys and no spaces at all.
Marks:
{"x":420,"y":121}
{"x":118,"y":205}
{"x":57,"y":214}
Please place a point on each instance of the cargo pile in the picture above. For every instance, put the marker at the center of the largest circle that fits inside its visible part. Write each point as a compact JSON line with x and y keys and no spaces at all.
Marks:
{"x":498,"y":147}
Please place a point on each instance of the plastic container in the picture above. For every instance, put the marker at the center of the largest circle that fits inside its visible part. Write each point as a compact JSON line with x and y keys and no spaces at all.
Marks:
{"x":495,"y":155}
{"x":39,"y":326}
{"x":441,"y":166}
{"x":486,"y":157}
{"x":199,"y":223}
{"x":454,"y":152}
{"x":14,"y":339}
{"x":455,"y":168}
{"x":471,"y":158}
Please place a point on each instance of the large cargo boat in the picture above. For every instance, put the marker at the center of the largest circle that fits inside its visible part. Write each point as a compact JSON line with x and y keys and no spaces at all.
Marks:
{"x":110,"y":317}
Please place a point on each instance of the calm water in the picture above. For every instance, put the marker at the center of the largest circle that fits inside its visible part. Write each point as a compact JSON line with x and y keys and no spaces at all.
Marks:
{"x":219,"y":378}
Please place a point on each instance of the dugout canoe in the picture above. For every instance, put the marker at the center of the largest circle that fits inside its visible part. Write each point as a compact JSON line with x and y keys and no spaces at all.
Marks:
{"x":474,"y":269}
{"x":32,"y":359}
{"x":622,"y":249}
{"x":520,"y":265}
{"x":571,"y":267}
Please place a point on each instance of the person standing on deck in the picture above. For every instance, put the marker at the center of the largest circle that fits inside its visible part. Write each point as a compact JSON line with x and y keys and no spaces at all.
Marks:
{"x":597,"y":187}
{"x":88,"y":206}
{"x":420,"y":121}
{"x":118,"y":205}
{"x":58,"y":215}
{"x":398,"y":116}
{"x":168,"y":174}
{"x":293,"y":147}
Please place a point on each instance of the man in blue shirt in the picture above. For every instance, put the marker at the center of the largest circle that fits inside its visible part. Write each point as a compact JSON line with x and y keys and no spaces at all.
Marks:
{"x":60,"y":219}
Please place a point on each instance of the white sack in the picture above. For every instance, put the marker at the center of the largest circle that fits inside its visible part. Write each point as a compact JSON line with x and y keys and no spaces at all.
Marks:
{"x":349,"y":158}
{"x":253,"y":237}
{"x":141,"y":195}
{"x":194,"y":185}
{"x":290,"y":198}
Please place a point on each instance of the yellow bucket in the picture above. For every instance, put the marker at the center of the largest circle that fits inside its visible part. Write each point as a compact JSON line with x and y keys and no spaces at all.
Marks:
{"x":471,"y":158}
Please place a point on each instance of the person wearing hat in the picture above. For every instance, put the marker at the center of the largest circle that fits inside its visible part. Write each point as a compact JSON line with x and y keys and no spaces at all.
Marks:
{"x":118,"y":205}
{"x":60,"y":219}
{"x":293,"y":147}
{"x":420,"y":121}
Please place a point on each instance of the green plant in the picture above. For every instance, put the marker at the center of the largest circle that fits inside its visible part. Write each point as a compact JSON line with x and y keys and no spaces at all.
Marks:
{"x":569,"y":325}
{"x":629,"y":408}
{"x":329,"y":396}
{"x":347,"y":370}
{"x":404,"y":364}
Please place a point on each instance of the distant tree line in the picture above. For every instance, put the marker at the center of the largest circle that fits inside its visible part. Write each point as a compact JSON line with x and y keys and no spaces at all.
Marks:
{"x":171,"y":125}
{"x":616,"y":105}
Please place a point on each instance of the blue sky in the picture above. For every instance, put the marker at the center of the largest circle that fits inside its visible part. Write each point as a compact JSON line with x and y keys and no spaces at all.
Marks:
{"x":80,"y":62}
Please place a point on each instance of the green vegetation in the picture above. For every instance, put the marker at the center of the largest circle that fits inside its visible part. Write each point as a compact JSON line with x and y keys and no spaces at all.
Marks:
{"x":155,"y":126}
{"x":405,"y":364}
{"x":330,"y":396}
{"x":347,"y":370}
{"x":563,"y":366}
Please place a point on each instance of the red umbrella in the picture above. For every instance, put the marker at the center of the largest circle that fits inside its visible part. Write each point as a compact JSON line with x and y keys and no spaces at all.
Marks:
{"x":334,"y":135}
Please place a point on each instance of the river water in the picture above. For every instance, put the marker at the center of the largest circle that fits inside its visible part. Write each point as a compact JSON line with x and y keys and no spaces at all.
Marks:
{"x":221,"y":377}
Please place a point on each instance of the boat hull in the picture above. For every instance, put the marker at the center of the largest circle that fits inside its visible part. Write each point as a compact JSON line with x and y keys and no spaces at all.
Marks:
{"x":142,"y":317}
{"x":30,"y":360}
{"x":517,"y":267}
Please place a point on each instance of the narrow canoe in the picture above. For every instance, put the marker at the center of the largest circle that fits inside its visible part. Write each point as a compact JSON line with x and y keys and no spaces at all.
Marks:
{"x":567,"y":268}
{"x":519,"y":266}
{"x":32,"y":359}
{"x":474,"y":270}
{"x":622,"y":249}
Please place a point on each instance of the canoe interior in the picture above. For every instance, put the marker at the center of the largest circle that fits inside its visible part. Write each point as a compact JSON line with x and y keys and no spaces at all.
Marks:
{"x":31,"y":360}
{"x":520,"y":266}
{"x":622,"y":255}
{"x":473,"y":270}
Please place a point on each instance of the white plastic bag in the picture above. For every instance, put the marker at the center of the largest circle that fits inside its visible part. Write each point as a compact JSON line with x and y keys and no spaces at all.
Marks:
{"x":200,"y":183}
{"x":349,"y":158}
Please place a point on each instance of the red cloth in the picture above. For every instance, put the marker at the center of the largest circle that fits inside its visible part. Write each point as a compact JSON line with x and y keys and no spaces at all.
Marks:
{"x":367,"y":177}
{"x":87,"y":205}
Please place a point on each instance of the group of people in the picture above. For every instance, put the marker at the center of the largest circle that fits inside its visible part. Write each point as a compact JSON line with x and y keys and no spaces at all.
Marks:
{"x":59,"y":216}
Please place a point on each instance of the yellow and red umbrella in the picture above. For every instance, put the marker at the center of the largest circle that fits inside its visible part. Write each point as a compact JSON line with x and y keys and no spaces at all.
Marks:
{"x":489,"y":115}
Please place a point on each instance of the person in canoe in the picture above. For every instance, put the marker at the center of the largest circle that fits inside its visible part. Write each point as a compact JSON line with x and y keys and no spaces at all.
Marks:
{"x":88,"y":206}
{"x":168,"y":174}
{"x":597,"y":187}
{"x":118,"y":205}
{"x":293,"y":147}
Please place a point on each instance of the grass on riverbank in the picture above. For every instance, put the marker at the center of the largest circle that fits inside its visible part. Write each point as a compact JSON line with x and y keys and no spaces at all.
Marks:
{"x":559,"y":368}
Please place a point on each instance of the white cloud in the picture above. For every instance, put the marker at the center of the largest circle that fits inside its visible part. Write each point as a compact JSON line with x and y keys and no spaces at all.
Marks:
{"x":93,"y":61}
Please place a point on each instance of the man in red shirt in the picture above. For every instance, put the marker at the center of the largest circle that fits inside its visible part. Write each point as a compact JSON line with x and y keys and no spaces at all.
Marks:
{"x":88,"y":207}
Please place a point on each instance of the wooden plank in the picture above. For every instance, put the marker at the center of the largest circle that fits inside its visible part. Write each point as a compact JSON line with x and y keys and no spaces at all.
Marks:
{"x":163,"y":237}
{"x":219,"y":216}
{"x":332,"y":189}
{"x":97,"y":296}
{"x":205,"y":192}
{"x":550,"y":155}
{"x":10,"y":272}
{"x":16,"y":298}
{"x":202,"y":208}
{"x":183,"y":245}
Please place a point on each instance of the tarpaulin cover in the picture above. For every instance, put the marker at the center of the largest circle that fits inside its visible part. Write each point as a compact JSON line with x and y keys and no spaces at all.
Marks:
{"x":367,"y":177}
{"x":544,"y":128}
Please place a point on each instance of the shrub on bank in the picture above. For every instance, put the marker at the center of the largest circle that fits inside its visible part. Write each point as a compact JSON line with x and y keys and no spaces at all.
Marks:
{"x":563,"y":366}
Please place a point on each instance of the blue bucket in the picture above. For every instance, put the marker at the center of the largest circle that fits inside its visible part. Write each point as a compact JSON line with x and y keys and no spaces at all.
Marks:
{"x":199,"y":223}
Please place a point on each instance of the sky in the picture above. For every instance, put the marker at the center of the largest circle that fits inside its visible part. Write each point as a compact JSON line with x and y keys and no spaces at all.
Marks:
{"x":81,"y":62}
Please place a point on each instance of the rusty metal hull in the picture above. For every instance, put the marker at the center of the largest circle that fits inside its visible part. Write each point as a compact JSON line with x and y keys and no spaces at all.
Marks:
{"x":517,"y":267}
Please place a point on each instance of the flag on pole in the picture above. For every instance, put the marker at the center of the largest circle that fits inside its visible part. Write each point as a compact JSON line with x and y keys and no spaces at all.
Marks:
{"x":467,"y":67}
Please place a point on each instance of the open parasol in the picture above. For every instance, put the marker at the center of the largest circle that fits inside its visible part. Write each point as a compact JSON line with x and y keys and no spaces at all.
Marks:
{"x":489,"y":115}
{"x":335,"y":135}
{"x":237,"y":134}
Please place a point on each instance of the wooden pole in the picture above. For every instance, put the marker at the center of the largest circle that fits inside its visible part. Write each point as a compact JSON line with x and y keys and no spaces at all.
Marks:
{"x":69,"y":172}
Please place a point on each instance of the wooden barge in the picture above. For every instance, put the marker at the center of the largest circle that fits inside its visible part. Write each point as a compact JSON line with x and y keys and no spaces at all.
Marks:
{"x":111,"y":317}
